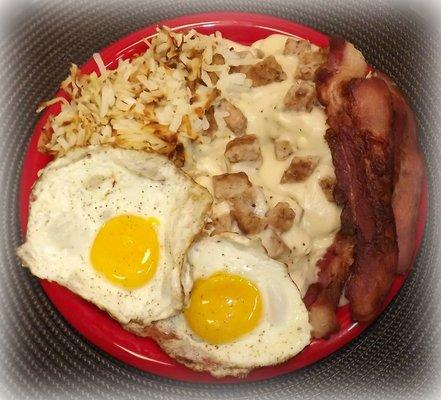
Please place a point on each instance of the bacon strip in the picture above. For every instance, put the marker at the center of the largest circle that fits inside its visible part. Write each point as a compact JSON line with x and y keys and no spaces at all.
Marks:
{"x":409,"y":175}
{"x":369,"y":105}
{"x":380,"y":173}
{"x":361,"y":139}
{"x":344,"y":63}
{"x":322,"y":298}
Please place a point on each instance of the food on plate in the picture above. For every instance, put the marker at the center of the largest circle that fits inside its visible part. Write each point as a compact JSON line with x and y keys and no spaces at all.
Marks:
{"x":372,"y":137}
{"x":244,"y":148}
{"x":282,"y":149}
{"x":361,"y":140}
{"x":300,"y":169}
{"x":113,"y":226}
{"x":324,"y":296}
{"x":263,"y":159}
{"x":234,"y":118}
{"x":408,"y":175}
{"x":226,"y":199}
{"x":243,"y":310}
{"x":263,"y":72}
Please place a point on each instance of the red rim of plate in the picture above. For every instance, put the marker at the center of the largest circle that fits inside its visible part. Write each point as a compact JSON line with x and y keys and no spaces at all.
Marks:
{"x":94,"y":324}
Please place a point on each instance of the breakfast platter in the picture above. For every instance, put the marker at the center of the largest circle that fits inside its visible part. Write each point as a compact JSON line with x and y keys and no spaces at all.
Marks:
{"x":309,"y":221}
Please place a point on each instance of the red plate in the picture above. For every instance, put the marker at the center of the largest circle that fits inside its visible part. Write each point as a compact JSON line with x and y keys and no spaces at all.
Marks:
{"x":95,"y":324}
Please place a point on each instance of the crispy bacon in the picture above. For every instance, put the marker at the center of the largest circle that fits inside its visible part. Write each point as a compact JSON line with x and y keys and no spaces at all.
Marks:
{"x":361,"y":138}
{"x":369,"y":106}
{"x":380,"y":173}
{"x":409,"y":175}
{"x":322,"y":298}
{"x":344,"y":62}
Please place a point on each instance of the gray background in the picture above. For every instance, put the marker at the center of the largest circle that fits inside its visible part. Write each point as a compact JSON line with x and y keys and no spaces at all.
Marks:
{"x":42,"y":357}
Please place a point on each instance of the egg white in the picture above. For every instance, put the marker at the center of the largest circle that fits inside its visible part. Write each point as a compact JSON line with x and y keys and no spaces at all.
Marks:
{"x":282,"y":332}
{"x":76,"y":194}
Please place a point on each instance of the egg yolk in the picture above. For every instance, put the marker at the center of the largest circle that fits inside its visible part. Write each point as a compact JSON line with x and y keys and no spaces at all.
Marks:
{"x":126,"y":250}
{"x":223,"y":307}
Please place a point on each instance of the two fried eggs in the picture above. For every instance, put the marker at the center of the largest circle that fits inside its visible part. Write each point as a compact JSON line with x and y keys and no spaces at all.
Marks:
{"x":119,"y":228}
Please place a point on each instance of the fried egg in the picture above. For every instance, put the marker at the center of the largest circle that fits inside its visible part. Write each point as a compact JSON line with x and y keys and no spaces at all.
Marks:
{"x":242,"y":309}
{"x":113,"y":226}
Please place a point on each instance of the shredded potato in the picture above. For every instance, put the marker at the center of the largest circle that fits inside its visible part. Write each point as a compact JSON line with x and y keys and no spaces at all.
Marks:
{"x":150,"y":102}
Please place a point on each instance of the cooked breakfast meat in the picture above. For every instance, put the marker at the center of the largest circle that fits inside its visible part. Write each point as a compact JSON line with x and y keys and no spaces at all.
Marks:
{"x":264,"y":72}
{"x":274,"y":245}
{"x":300,"y":96}
{"x":299,"y":169}
{"x":222,"y":223}
{"x":243,"y":148}
{"x":227,"y":186}
{"x":309,"y":62}
{"x":235,"y":120}
{"x":282,"y":149}
{"x":243,"y":212}
{"x":280,"y":136}
{"x":408,"y":175}
{"x":379,"y":171}
{"x":322,"y":194}
{"x":322,"y":297}
{"x":281,"y":217}
{"x":360,"y":116}
{"x":328,"y":184}
{"x":296,"y":47}
{"x":237,"y":189}
{"x":344,"y":63}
